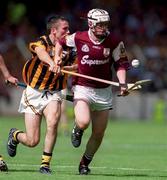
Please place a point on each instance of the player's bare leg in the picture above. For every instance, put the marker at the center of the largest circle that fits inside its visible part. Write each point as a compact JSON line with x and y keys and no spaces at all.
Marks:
{"x":32,"y":136}
{"x":64,"y":119}
{"x":29,"y":138}
{"x":99,"y":124}
{"x":52,"y":114}
{"x":82,"y":115}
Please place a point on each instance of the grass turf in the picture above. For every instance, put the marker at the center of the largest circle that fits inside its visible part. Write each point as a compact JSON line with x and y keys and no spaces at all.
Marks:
{"x":130,"y":150}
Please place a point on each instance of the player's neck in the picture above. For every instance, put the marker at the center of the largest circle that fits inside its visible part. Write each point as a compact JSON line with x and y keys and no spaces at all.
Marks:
{"x":94,"y":39}
{"x":53,"y":39}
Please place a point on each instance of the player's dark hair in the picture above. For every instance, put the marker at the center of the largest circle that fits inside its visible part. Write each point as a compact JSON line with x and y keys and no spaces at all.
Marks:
{"x":52,"y":21}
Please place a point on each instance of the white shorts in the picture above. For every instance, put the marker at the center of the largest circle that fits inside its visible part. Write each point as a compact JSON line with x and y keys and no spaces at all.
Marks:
{"x":98,"y":98}
{"x":34,"y":101}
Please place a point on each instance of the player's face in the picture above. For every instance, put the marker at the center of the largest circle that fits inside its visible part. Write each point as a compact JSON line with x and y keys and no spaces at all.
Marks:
{"x":101,"y":29}
{"x":62,"y":29}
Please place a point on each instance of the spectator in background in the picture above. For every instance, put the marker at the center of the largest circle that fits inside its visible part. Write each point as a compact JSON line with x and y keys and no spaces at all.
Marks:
{"x":138,"y":21}
{"x":8,"y":77}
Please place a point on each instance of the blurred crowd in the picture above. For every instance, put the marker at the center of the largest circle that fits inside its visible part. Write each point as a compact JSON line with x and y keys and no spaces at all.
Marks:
{"x":141,"y":24}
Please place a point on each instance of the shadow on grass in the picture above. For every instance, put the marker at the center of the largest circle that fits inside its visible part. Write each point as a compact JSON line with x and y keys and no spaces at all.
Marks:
{"x":23,"y":170}
{"x":151,"y":175}
{"x":128,"y":175}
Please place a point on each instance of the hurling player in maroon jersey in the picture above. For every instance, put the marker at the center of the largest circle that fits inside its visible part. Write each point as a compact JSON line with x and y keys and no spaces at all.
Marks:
{"x":97,"y":52}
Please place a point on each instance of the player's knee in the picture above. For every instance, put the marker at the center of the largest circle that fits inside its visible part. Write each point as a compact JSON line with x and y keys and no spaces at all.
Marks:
{"x":82,"y":124}
{"x":32,"y":142}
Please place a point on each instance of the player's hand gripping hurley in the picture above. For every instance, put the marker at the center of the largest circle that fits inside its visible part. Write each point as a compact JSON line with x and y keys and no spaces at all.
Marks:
{"x":130,"y":86}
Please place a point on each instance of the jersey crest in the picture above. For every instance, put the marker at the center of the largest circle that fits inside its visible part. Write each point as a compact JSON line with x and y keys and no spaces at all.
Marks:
{"x":85,"y":48}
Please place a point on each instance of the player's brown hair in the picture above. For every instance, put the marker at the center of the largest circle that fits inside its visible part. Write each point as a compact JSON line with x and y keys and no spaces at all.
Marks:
{"x":52,"y":21}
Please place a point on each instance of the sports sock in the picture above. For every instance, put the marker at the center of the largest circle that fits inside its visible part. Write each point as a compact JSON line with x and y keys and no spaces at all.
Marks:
{"x":46,"y":158}
{"x":86,"y":160}
{"x":1,"y":158}
{"x":15,"y":134}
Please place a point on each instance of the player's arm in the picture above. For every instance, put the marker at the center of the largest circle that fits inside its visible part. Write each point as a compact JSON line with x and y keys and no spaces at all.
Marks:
{"x":65,"y":41}
{"x":73,"y":67}
{"x":58,"y":52}
{"x":44,"y":56}
{"x":8,"y":77}
{"x":72,"y":64}
{"x":58,"y":57}
{"x":121,"y":65}
{"x":121,"y":74}
{"x":39,"y":48}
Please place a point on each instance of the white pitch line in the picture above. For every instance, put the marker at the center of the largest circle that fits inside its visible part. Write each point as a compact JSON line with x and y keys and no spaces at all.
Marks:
{"x":94,"y":167}
{"x":141,"y":146}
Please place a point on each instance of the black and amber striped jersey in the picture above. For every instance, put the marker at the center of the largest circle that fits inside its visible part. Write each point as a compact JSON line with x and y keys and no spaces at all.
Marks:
{"x":36,"y":73}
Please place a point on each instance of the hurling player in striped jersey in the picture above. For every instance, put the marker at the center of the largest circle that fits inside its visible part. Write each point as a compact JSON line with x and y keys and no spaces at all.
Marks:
{"x":42,"y":96}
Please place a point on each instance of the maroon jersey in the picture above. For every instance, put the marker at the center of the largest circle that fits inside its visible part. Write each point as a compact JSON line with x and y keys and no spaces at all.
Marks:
{"x":96,"y":59}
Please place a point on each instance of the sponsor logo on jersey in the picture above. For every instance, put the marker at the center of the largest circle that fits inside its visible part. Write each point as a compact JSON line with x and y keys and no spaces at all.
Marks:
{"x":85,"y":60}
{"x":106,"y":52}
{"x":85,"y":48}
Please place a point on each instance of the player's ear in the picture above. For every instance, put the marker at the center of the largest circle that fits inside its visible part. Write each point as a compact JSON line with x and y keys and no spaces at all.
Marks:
{"x":53,"y":30}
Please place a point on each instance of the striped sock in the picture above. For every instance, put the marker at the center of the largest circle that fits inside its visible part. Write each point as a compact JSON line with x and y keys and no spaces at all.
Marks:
{"x":1,"y":158}
{"x":46,"y":158}
{"x":15,"y":134}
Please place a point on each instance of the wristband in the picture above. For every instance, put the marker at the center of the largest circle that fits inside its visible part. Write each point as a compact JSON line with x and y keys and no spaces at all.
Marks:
{"x":123,"y":85}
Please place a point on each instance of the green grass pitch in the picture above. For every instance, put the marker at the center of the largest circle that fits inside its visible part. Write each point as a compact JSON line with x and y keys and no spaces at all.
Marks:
{"x":130,"y":150}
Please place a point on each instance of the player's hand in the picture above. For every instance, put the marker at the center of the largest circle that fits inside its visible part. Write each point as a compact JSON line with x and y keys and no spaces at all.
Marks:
{"x":52,"y":66}
{"x":55,"y":68}
{"x":123,"y":90}
{"x":58,"y":62}
{"x":11,"y":80}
